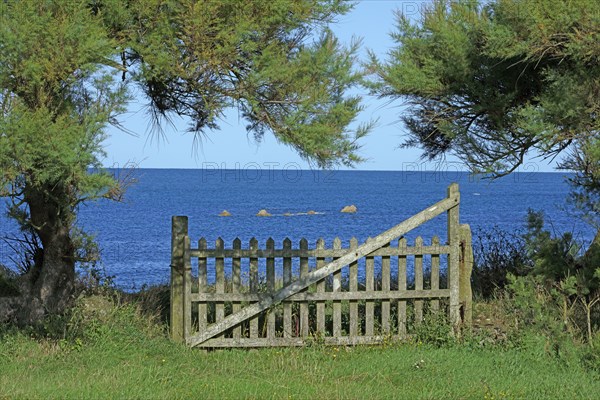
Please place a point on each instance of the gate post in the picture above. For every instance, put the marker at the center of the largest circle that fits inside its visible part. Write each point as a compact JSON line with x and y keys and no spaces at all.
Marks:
{"x":466,"y":267}
{"x":454,"y":259}
{"x":179,"y":231}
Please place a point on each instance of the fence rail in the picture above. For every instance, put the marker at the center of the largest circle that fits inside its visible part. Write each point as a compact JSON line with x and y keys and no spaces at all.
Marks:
{"x":285,"y":296}
{"x":308,"y":253}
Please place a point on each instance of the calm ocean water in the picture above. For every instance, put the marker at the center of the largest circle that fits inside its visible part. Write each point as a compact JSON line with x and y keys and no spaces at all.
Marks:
{"x":135,"y":235}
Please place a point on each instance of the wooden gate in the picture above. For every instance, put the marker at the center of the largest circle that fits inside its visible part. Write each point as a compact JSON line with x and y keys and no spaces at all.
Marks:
{"x":362,"y":294}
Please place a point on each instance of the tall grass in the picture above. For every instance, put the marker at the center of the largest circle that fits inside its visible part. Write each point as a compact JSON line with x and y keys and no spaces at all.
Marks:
{"x":110,"y":350}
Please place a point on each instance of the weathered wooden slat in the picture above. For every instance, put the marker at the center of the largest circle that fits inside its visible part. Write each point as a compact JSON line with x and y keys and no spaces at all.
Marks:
{"x":435,"y":274}
{"x":290,"y":342}
{"x":453,"y":258}
{"x":337,"y":287}
{"x":369,"y":287}
{"x":418,"y":282}
{"x":219,"y":282}
{"x":353,"y":287}
{"x":303,"y":275}
{"x":287,"y":278}
{"x":187,"y":288}
{"x":385,"y":287}
{"x":466,"y":268}
{"x":402,"y":289}
{"x":327,"y":296}
{"x":202,"y":288}
{"x":179,"y":229}
{"x":271,"y":289}
{"x":320,"y":289}
{"x":315,"y":276}
{"x":253,"y":287}
{"x":325,"y":253}
{"x":236,"y":287}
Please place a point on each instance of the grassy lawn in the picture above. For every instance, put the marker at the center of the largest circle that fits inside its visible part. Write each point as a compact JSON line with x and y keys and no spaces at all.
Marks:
{"x":121,"y":361}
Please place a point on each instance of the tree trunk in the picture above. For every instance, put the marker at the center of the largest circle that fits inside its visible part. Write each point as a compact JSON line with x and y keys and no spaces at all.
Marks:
{"x":48,"y":287}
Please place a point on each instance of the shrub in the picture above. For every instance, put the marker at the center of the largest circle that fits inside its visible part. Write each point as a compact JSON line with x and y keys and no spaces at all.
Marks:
{"x":497,"y":253}
{"x":567,"y":273}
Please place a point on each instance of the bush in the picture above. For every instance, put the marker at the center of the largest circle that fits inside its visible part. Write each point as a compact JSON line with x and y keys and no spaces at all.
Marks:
{"x":497,"y":254}
{"x":100,"y":319}
{"x":549,"y":285}
{"x":568,"y":273}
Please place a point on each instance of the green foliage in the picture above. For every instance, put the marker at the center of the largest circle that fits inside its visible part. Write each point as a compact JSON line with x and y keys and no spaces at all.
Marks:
{"x":560,"y":259}
{"x":97,"y":319}
{"x":59,"y":64}
{"x":534,"y":252}
{"x":196,"y":59}
{"x":55,"y":98}
{"x":434,"y":330}
{"x":490,"y":81}
{"x":547,"y":284}
{"x":585,"y":196}
{"x":591,"y":356}
{"x":559,"y":295}
{"x":59,"y":61}
{"x":497,"y":254}
{"x":539,"y":307}
{"x":69,"y":68}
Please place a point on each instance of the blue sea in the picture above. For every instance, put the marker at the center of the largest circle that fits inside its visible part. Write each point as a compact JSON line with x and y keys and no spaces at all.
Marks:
{"x":134,"y":235}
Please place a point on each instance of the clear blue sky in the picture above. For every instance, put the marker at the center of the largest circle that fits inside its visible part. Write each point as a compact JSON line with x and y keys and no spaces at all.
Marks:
{"x":230,"y":147}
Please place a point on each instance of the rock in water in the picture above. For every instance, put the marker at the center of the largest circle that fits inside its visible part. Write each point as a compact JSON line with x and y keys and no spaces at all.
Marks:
{"x":263,"y":213}
{"x":349,"y":209}
{"x":225,"y":213}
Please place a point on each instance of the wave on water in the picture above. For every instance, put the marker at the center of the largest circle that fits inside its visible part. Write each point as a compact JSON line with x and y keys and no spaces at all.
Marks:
{"x":288,"y":214}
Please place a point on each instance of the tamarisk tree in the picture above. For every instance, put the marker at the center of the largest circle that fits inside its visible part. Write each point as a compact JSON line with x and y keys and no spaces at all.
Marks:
{"x":68,"y":69}
{"x":491,"y":81}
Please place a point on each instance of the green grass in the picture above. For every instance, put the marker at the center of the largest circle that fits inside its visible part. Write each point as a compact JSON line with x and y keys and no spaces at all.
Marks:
{"x":118,"y":354}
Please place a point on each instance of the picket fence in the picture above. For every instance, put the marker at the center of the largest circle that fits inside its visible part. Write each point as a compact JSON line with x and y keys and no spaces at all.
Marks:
{"x":290,"y":296}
